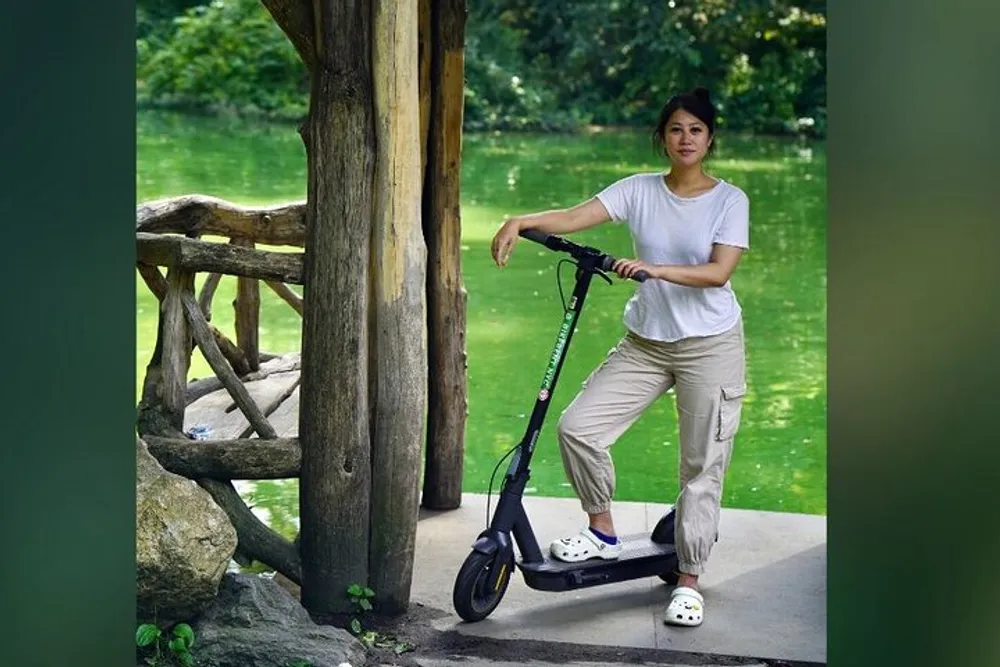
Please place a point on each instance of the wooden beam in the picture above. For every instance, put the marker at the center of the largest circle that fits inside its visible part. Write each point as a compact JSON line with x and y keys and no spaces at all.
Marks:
{"x":199,"y":215}
{"x":208,"y":293}
{"x":154,"y":280}
{"x":191,"y":255}
{"x":256,"y":540}
{"x":198,"y":388}
{"x":286,"y":293}
{"x":209,"y":348}
{"x":233,"y":354}
{"x":250,"y":458}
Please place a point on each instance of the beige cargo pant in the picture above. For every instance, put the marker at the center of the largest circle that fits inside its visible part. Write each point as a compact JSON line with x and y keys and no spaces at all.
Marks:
{"x":708,"y":376}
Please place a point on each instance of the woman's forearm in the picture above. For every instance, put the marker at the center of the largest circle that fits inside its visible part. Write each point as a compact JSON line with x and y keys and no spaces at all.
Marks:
{"x":557,"y":221}
{"x":701,"y":275}
{"x":564,"y":220}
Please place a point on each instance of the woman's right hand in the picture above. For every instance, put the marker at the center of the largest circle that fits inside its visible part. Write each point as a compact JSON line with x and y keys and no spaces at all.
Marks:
{"x":504,"y":241}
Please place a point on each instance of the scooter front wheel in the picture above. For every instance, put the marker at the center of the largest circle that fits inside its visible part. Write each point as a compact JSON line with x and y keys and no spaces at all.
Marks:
{"x":473,"y":598}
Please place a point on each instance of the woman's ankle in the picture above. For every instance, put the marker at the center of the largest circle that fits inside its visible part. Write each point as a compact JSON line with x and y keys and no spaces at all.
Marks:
{"x":687,"y":580}
{"x":603,"y":523}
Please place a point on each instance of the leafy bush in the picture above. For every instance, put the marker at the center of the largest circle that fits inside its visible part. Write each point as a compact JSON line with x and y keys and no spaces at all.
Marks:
{"x":530,"y":64}
{"x":229,"y":55}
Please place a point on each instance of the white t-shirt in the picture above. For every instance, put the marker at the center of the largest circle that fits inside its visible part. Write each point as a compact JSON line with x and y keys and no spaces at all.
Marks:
{"x":669,"y":229}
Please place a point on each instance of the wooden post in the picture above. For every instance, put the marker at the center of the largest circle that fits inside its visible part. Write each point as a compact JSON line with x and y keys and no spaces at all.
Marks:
{"x":176,"y":358}
{"x":335,"y":486}
{"x":399,"y":364}
{"x":247,"y":307}
{"x":446,"y":297}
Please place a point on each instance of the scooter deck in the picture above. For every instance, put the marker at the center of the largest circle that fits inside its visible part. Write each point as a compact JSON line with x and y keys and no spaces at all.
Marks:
{"x":640,"y":557}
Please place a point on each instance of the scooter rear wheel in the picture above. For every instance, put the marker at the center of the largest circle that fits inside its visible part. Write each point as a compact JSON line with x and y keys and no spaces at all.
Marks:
{"x":472,"y":598}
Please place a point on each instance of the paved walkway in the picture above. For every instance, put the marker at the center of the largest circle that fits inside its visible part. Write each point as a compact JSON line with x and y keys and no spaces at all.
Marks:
{"x":765,"y":589}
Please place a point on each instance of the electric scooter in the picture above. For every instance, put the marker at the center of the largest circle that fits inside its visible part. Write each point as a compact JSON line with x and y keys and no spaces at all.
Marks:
{"x":485,"y":575}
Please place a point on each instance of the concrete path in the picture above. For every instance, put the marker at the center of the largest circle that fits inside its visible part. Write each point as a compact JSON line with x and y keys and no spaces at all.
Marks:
{"x":765,"y":589}
{"x":483,"y":662}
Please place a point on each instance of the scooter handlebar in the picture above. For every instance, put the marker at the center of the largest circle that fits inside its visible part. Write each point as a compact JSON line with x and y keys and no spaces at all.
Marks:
{"x":553,"y":242}
{"x":609,"y":261}
{"x":536,"y":236}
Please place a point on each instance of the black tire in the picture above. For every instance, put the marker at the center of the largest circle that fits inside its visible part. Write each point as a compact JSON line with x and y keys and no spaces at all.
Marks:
{"x":663,"y":532}
{"x":471,"y":600}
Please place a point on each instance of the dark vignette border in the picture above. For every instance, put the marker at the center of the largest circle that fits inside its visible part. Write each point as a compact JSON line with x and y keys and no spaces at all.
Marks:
{"x":67,"y":579}
{"x":912,"y":310}
{"x":913,"y":331}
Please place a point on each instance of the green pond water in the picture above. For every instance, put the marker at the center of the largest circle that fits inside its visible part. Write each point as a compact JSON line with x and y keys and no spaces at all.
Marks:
{"x":779,"y":461}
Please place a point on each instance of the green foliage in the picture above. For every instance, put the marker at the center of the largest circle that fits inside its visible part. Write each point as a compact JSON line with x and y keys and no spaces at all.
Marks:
{"x":229,"y":55}
{"x":172,"y":650}
{"x":361,"y":597}
{"x":530,"y":64}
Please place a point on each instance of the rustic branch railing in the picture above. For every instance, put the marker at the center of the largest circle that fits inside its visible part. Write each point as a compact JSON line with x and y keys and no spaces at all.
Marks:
{"x":169,"y":234}
{"x":195,"y":234}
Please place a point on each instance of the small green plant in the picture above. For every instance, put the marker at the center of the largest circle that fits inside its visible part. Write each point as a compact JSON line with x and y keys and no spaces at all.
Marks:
{"x":299,"y":663}
{"x":361,"y":597}
{"x":175,"y":648}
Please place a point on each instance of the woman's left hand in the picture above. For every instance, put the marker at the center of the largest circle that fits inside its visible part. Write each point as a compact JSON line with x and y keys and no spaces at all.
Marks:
{"x":626,"y":268}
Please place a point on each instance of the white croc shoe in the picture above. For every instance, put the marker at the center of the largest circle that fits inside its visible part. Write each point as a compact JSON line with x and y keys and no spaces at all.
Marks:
{"x":584,"y":546}
{"x":687,"y":607}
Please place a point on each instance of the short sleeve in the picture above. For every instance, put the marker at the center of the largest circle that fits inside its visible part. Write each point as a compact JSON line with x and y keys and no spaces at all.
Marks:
{"x":734,"y":229}
{"x":618,"y":198}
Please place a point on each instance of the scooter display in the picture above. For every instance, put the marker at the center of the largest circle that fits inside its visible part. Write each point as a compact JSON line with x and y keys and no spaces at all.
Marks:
{"x":485,"y":575}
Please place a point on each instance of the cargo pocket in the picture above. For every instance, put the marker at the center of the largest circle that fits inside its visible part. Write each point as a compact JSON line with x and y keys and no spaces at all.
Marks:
{"x":730,"y":407}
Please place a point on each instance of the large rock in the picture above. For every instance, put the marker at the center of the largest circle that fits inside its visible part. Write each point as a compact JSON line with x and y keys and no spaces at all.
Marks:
{"x":184,"y":542}
{"x":254,"y":622}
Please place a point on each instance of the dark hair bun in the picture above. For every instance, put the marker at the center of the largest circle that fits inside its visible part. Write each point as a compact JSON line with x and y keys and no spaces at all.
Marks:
{"x":703,"y":94}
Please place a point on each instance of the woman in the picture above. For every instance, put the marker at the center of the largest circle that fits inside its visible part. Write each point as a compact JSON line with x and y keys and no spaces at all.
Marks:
{"x":684,"y":331}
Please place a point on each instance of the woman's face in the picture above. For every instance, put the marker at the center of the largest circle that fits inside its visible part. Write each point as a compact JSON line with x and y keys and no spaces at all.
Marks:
{"x":686,"y":139}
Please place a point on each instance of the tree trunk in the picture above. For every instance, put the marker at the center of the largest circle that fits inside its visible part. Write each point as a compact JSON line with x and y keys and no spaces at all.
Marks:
{"x":425,"y":47}
{"x":446,"y":298}
{"x":335,"y":483}
{"x":400,"y":363}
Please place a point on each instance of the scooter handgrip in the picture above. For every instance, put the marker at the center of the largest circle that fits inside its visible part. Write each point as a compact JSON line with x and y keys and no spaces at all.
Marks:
{"x":609,"y":261}
{"x":535,"y":235}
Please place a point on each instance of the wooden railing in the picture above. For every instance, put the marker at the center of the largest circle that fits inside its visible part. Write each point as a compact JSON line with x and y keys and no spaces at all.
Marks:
{"x":170,"y":234}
